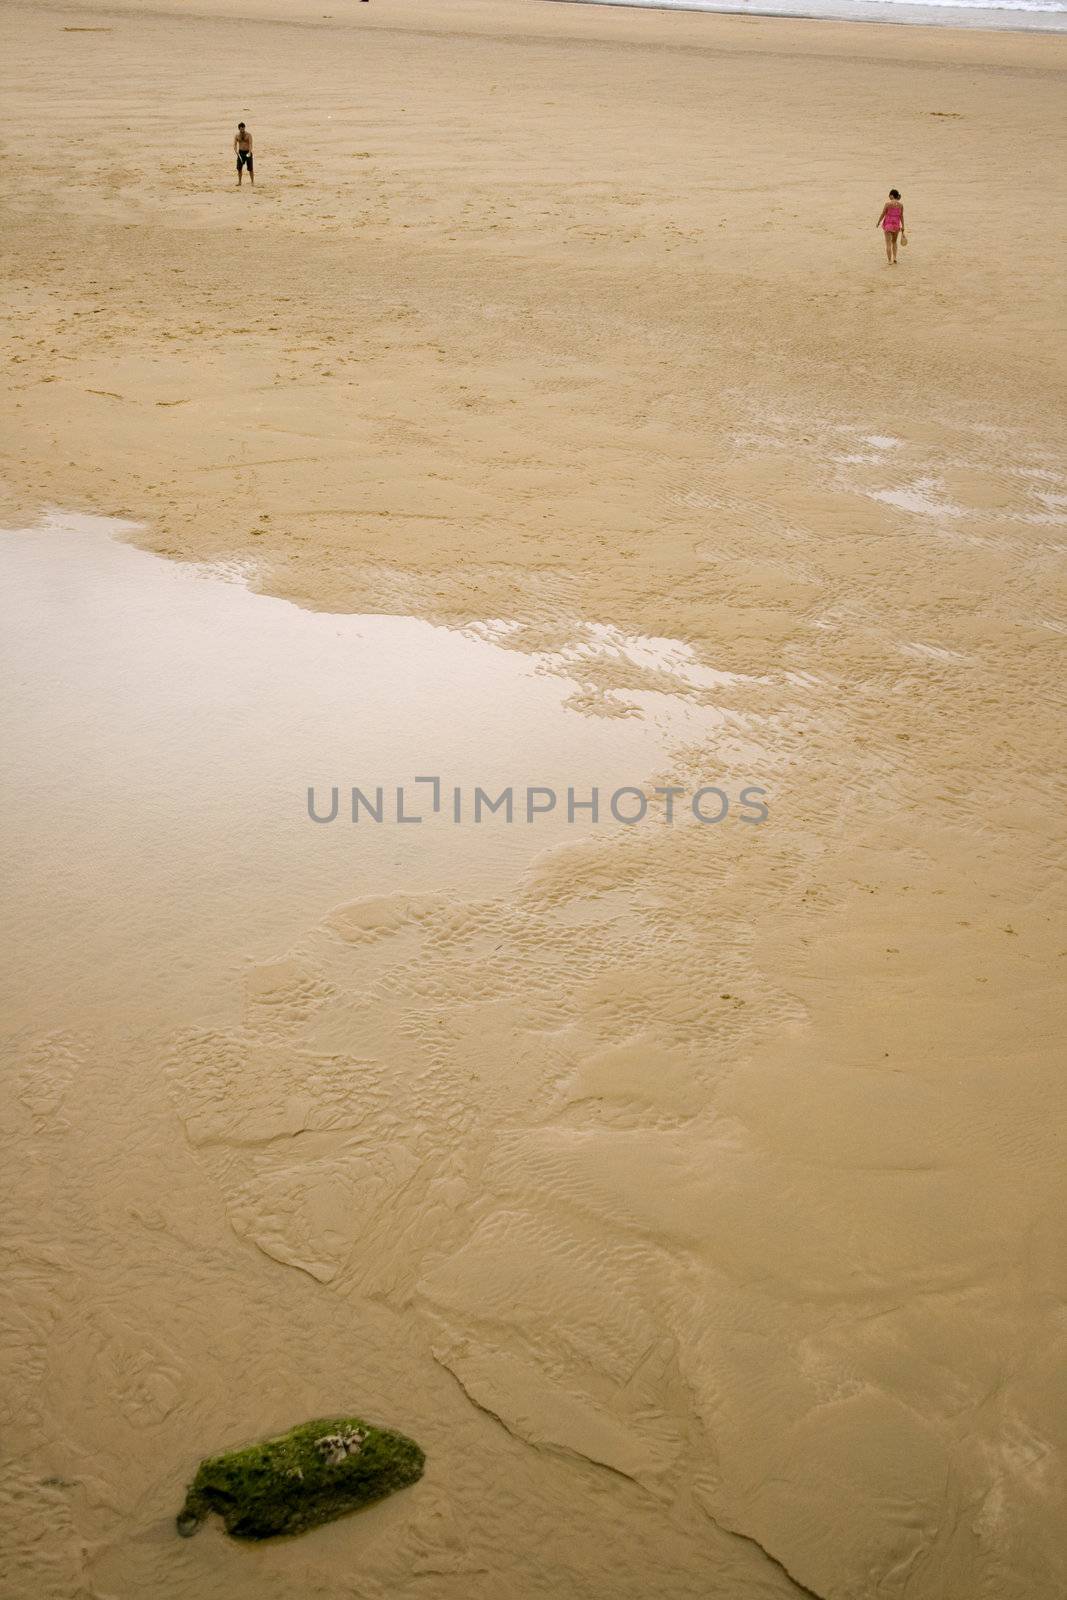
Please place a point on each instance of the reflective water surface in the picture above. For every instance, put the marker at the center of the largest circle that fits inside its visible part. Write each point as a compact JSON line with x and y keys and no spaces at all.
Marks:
{"x":163,"y":726}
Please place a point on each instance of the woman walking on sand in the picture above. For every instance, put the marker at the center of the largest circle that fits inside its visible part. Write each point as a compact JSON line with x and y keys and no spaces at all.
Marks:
{"x":891,"y":222}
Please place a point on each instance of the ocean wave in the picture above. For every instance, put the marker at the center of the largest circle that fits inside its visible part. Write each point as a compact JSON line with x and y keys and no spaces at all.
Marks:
{"x":1045,"y":6}
{"x":977,"y":5}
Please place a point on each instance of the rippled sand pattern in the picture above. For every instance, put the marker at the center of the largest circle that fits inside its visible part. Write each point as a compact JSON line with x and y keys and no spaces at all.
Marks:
{"x":693,"y":1196}
{"x":660,"y":1197}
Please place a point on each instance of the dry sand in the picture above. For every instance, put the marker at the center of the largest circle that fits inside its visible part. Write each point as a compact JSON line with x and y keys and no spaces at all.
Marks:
{"x":698,"y":1209}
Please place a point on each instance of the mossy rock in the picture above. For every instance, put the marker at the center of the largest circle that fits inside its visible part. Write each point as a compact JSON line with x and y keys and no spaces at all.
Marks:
{"x":290,"y":1484}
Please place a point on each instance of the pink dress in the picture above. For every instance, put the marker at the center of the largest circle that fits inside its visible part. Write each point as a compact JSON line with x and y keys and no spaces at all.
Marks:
{"x":893,"y":218}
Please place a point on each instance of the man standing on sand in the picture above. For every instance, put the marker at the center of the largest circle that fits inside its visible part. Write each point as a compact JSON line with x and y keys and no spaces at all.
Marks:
{"x":242,"y":144}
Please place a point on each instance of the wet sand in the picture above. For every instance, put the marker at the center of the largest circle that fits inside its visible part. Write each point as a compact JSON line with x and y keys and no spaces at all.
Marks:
{"x":691,"y":1195}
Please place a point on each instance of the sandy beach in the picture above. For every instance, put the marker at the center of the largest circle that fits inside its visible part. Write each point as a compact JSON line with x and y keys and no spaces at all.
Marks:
{"x":693,"y":1195}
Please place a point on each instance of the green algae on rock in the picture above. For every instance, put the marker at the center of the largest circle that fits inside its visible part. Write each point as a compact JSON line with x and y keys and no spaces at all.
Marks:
{"x":301,"y":1479}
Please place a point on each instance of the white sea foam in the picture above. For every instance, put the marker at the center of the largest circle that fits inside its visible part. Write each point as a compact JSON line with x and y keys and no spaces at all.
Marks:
{"x":981,"y":5}
{"x":983,"y":12}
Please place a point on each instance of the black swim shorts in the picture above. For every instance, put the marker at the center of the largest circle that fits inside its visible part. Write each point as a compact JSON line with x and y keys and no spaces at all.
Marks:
{"x":244,"y":159}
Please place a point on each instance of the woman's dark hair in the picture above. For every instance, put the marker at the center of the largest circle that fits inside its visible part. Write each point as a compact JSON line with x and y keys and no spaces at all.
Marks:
{"x":894,"y":194}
